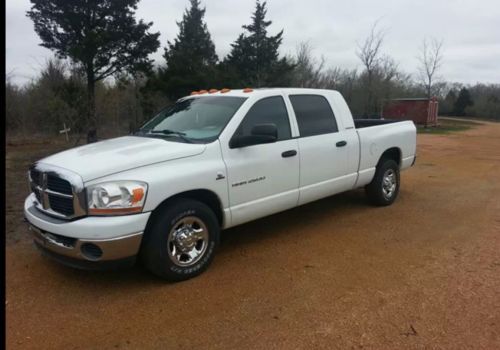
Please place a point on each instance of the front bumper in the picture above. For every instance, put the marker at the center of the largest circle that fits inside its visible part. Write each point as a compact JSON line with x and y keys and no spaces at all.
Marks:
{"x":87,"y":264}
{"x":94,"y":240}
{"x":85,"y":249}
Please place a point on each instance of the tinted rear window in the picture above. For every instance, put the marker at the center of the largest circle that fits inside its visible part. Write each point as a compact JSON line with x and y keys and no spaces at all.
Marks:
{"x":314,"y":115}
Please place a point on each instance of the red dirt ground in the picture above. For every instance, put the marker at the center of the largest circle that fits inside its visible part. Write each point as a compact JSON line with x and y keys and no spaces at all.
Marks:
{"x":338,"y":273}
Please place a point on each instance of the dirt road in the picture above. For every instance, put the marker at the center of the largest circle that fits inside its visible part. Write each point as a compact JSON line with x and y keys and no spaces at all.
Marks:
{"x":338,"y":273}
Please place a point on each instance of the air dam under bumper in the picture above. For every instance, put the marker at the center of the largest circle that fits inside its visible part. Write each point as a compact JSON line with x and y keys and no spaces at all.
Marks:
{"x":90,"y":242}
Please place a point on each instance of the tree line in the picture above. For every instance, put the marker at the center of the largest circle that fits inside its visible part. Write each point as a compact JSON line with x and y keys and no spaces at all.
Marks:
{"x":94,"y":40}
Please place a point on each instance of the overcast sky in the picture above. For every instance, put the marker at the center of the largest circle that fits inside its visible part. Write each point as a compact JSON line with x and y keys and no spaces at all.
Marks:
{"x":469,"y":29}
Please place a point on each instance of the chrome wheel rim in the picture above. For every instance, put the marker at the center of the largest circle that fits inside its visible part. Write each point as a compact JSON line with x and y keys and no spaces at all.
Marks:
{"x":187,"y":241}
{"x":389,"y":183}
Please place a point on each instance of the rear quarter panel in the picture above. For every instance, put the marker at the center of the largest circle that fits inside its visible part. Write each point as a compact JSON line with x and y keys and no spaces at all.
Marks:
{"x":375,"y":140}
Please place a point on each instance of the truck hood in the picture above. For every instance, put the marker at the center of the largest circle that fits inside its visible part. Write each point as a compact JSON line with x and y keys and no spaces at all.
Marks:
{"x":119,"y":154}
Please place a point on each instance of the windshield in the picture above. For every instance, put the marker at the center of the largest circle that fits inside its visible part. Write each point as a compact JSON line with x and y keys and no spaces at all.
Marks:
{"x":199,"y":119}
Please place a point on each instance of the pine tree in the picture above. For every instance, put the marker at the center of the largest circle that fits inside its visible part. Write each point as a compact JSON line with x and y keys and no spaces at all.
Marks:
{"x":448,"y":104}
{"x":463,"y":101}
{"x":101,"y":36}
{"x":191,"y":58}
{"x":254,"y":58}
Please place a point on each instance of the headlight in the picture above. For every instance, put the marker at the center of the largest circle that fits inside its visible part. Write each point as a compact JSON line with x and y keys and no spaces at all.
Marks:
{"x":116,"y":198}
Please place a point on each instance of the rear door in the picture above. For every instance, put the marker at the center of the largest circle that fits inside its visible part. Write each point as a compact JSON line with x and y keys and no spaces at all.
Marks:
{"x":263,"y":179}
{"x":323,"y":148}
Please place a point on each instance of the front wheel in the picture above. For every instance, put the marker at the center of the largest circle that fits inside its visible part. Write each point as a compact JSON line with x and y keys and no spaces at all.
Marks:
{"x":181,"y":241}
{"x":384,"y":187}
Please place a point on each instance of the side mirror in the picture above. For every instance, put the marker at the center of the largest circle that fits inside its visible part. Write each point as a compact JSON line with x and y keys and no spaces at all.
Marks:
{"x":260,"y":133}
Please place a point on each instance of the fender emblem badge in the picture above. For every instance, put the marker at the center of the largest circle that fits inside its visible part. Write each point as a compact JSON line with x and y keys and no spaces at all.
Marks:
{"x":220,"y":176}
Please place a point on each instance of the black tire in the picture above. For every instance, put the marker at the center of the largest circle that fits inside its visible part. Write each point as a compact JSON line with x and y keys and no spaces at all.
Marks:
{"x":375,"y":190}
{"x":156,"y":251}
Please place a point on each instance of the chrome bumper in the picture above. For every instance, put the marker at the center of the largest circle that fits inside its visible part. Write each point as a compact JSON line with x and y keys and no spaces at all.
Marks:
{"x":111,"y":249}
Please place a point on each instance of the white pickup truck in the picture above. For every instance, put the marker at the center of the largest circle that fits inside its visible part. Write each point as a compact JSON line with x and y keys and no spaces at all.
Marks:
{"x":210,"y":161}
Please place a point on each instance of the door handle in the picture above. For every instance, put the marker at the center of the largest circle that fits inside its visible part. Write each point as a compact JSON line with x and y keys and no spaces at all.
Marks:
{"x":290,"y":153}
{"x":341,"y":143}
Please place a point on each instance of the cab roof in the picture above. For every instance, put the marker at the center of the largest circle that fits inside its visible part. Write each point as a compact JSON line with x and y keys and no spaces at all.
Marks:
{"x":247,"y":92}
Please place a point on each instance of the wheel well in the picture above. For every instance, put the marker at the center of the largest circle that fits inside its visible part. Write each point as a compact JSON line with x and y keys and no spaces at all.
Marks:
{"x":206,"y":197}
{"x":392,"y":153}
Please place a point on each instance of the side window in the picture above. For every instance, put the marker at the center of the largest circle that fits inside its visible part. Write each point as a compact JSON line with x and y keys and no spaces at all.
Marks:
{"x":266,"y":111}
{"x":314,"y":115}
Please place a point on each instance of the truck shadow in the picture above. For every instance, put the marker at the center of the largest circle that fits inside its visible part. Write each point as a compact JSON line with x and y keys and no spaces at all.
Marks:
{"x":296,"y":219}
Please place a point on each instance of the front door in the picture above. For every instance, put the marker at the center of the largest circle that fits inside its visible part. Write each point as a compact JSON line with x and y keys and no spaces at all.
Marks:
{"x":263,"y":179}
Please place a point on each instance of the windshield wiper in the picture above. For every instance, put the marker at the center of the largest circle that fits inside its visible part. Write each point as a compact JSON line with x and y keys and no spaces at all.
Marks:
{"x":181,"y":134}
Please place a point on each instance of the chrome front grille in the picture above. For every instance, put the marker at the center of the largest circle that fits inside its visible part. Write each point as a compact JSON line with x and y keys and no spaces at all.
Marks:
{"x":61,"y":205}
{"x":59,"y":185}
{"x":58,"y":192}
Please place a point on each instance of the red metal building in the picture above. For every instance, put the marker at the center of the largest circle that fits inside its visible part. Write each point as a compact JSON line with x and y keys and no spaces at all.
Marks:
{"x":422,"y":111}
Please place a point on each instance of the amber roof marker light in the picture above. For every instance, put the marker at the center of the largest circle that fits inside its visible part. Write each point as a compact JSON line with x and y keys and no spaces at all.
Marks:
{"x":202,"y":92}
{"x":213,"y":91}
{"x":223,"y":91}
{"x":247,"y":90}
{"x":194,"y":93}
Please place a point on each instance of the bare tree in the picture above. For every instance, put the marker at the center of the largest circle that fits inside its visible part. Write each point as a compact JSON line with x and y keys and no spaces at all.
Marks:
{"x":389,"y":68}
{"x":308,"y":71}
{"x":10,"y":74}
{"x":332,"y":78}
{"x":15,"y":100}
{"x":430,"y":58}
{"x":369,"y":54}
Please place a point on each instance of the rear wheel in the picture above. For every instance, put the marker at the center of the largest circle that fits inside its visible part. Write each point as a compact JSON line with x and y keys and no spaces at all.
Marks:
{"x":181,"y":240}
{"x":384,"y":188}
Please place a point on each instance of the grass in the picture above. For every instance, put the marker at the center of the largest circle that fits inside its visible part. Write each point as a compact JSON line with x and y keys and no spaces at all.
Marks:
{"x":446,"y":126}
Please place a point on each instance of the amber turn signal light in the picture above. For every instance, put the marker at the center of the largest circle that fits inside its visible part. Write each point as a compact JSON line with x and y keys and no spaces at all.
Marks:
{"x":137,"y":195}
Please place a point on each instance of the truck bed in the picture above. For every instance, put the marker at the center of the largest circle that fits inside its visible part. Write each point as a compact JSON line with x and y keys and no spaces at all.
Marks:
{"x":378,"y":135}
